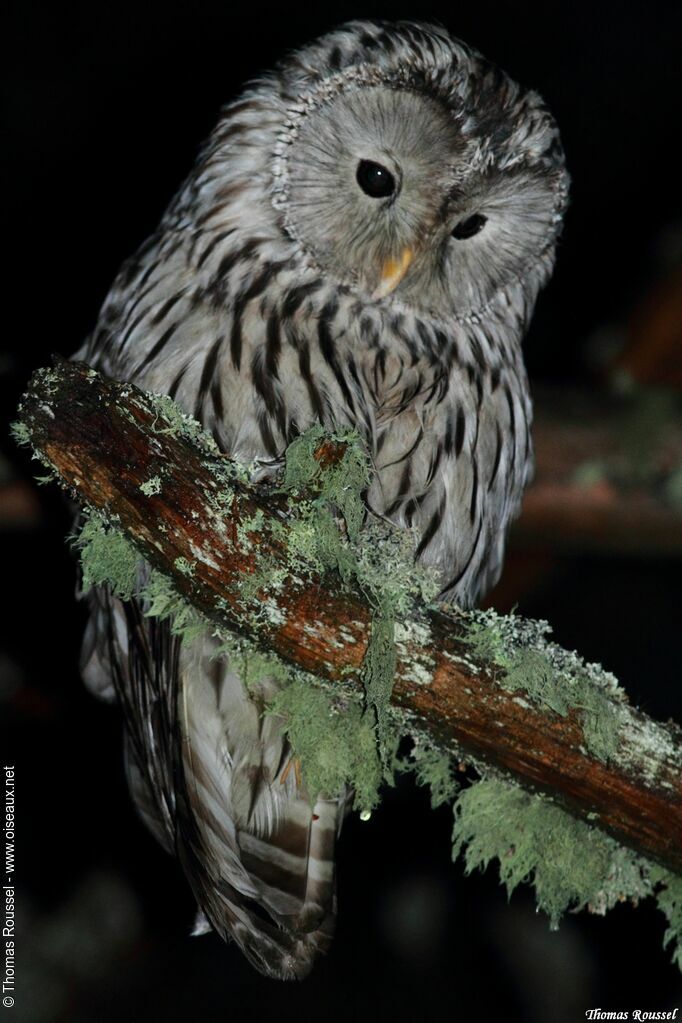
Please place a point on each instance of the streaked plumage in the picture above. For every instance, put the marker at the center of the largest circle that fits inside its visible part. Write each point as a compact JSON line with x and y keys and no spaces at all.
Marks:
{"x":255,"y":306}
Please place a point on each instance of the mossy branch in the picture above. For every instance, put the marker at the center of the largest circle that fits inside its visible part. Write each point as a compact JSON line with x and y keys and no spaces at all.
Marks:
{"x":261,"y":560}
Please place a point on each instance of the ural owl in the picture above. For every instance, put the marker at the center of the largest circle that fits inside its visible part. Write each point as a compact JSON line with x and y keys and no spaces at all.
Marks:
{"x":361,"y":242}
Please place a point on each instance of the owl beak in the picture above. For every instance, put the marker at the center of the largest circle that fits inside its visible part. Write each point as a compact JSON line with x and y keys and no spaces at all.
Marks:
{"x":392,"y":273}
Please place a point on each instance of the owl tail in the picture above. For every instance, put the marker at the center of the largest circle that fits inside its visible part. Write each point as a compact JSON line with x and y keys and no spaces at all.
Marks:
{"x":211,"y":776}
{"x":258,"y":852}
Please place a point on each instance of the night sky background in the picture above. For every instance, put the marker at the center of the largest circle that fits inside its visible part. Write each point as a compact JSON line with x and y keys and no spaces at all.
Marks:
{"x":105,"y":105}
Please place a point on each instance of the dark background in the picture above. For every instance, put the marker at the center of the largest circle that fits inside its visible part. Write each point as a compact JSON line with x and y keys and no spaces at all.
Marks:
{"x":105,"y":106}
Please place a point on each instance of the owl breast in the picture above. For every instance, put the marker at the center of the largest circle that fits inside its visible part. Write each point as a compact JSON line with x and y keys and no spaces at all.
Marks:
{"x":443,"y":408}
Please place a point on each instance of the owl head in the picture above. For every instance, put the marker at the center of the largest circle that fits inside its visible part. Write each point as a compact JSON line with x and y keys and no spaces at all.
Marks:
{"x":410,"y":168}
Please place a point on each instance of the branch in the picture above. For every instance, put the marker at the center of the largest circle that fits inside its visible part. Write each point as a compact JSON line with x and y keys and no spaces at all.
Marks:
{"x":132,"y":457}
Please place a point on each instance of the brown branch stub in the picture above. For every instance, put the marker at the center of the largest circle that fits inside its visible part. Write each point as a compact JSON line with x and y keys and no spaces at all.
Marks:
{"x":106,"y":441}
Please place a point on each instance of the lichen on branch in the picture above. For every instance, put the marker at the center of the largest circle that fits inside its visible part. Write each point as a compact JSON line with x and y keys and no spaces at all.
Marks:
{"x":372,"y":677}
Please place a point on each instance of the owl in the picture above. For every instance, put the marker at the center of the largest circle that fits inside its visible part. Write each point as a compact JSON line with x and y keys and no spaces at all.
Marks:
{"x":360,"y":244}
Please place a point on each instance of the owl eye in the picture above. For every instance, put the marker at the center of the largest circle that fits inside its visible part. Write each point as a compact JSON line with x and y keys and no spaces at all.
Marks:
{"x":375,"y":180}
{"x":469,"y":227}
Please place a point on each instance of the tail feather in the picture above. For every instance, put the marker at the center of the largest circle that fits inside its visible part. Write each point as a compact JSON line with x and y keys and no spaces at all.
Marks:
{"x":261,"y":856}
{"x":211,"y":776}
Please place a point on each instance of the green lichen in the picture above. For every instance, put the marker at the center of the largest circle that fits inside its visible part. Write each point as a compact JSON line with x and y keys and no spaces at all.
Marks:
{"x":342,"y":483}
{"x":569,"y":863}
{"x":151,"y":486}
{"x":325,"y":527}
{"x":20,"y":433}
{"x":601,"y":727}
{"x":669,"y":901}
{"x":378,"y":673}
{"x":301,"y":468}
{"x":160,"y":599}
{"x":172,"y":420}
{"x":248,"y":526}
{"x":318,"y":530}
{"x":336,"y":744}
{"x":107,"y":558}
{"x":254,"y":665}
{"x":408,"y":588}
{"x":530,"y":669}
{"x":267,"y":576}
{"x":549,"y":675}
{"x":314,"y":541}
{"x":485,"y":641}
{"x":331,"y":735}
{"x":317,"y":538}
{"x":50,"y":477}
{"x":359,"y":552}
{"x":185,"y":566}
{"x":433,"y":769}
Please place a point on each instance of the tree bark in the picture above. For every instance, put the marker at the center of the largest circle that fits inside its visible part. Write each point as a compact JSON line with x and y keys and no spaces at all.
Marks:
{"x":106,"y":441}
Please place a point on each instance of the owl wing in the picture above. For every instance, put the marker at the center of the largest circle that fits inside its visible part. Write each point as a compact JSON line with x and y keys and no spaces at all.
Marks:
{"x":211,"y":776}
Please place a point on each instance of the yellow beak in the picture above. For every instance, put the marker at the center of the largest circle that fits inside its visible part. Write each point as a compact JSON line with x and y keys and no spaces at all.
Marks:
{"x":392,"y":273}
